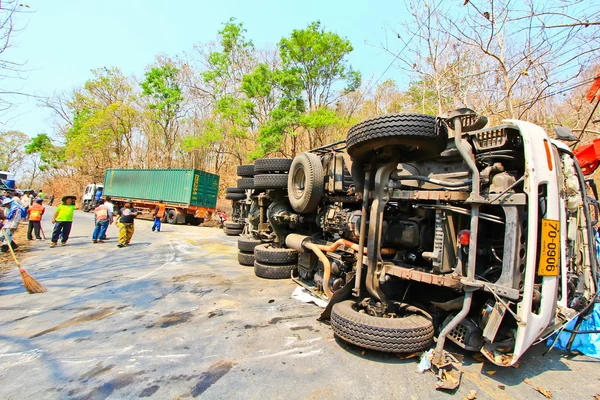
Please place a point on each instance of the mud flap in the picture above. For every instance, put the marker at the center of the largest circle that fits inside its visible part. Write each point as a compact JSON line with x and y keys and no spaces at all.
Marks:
{"x":338,"y":296}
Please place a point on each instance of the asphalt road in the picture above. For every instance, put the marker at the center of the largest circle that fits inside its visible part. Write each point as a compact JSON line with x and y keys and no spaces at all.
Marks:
{"x":174,"y":316}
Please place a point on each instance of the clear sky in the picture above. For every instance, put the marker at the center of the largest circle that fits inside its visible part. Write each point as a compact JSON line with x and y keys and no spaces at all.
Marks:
{"x":64,"y":39}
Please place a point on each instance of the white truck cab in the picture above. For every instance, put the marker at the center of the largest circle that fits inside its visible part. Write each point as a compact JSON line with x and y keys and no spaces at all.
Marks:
{"x":88,"y":200}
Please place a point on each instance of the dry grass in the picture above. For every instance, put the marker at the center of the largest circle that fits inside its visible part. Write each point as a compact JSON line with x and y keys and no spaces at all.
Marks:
{"x":20,"y":237}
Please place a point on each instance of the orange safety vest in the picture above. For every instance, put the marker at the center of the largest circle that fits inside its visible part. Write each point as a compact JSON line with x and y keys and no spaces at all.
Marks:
{"x":161,"y":210}
{"x":101,"y":212}
{"x":35,"y":212}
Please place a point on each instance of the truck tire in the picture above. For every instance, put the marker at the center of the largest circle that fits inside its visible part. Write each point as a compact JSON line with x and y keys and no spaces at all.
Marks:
{"x":267,"y":254}
{"x":408,"y":334}
{"x":273,"y":271}
{"x":245,"y":258}
{"x":234,"y":226}
{"x":171,"y":216}
{"x":271,"y":181}
{"x":263,"y":165}
{"x":235,"y":196}
{"x":86,"y":207}
{"x":247,"y":244}
{"x":305,"y":183}
{"x":232,"y":232}
{"x":246,"y":171}
{"x":415,"y":136}
{"x":245,"y":183}
{"x":235,"y":190}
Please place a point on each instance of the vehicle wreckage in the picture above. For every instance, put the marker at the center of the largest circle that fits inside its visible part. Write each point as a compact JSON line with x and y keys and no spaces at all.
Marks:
{"x":483,"y":237}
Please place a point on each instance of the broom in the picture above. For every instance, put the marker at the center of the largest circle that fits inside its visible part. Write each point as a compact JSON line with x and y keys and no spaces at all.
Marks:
{"x":42,"y":230}
{"x":30,"y":284}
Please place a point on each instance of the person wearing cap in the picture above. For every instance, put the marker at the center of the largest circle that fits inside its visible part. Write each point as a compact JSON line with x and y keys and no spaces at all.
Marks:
{"x":35,"y":213}
{"x":63,"y":220}
{"x":125,"y":223}
{"x":102,"y":216}
{"x":159,"y":213}
{"x":12,"y":216}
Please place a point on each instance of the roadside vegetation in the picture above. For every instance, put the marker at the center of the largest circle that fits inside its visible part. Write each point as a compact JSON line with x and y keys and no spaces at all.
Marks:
{"x":227,"y":102}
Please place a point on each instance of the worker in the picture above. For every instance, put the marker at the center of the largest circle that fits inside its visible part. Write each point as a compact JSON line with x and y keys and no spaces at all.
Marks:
{"x":41,"y":195}
{"x":111,"y":210}
{"x":50,"y":199}
{"x":12,"y":216}
{"x":35,"y":213}
{"x":98,"y":194}
{"x":102,"y":217}
{"x":63,"y":220}
{"x":124,"y":220}
{"x":159,"y":213}
{"x":26,"y":201}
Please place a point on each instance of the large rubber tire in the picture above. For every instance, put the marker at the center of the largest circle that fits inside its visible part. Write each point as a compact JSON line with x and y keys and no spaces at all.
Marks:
{"x":263,"y":165}
{"x":234,"y":226}
{"x":271,"y":181}
{"x":246,"y":258}
{"x":245,"y":170}
{"x":305,"y":183}
{"x":273,"y":271}
{"x":232,"y":232}
{"x":267,"y":254}
{"x":395,"y":335}
{"x":171,"y":216}
{"x":415,"y":136}
{"x":248,"y":244}
{"x":235,"y":196}
{"x":246,"y":183}
{"x":235,"y":190}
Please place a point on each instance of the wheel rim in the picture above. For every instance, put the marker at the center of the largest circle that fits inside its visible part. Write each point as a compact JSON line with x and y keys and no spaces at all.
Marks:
{"x":299,"y":183}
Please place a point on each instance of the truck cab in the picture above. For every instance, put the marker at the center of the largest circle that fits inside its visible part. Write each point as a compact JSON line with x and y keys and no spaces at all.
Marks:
{"x":88,"y":200}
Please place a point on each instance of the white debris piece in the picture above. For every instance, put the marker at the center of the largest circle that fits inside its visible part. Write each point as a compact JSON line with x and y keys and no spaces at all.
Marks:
{"x":425,"y":363}
{"x":307,"y":297}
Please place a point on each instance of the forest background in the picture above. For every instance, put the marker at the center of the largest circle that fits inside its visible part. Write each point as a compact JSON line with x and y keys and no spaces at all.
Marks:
{"x":226,"y":102}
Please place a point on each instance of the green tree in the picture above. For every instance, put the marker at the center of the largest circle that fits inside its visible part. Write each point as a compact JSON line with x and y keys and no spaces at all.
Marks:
{"x":165,"y":104}
{"x":104,"y":120}
{"x":320,"y":59}
{"x":12,"y":153}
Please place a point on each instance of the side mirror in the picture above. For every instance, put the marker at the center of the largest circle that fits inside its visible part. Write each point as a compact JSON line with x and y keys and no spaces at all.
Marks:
{"x":564,"y":133}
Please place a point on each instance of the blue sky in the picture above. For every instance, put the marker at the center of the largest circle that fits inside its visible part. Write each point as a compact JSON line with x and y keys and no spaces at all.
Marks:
{"x":63,"y":40}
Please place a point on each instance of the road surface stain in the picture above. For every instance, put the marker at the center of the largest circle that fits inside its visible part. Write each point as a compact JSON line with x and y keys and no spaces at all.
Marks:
{"x":99,"y":369}
{"x":172,"y":318}
{"x":215,"y":372}
{"x":80,"y":319}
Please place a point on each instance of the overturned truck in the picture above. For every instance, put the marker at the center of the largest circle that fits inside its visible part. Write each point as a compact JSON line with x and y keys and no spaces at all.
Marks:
{"x":483,"y":237}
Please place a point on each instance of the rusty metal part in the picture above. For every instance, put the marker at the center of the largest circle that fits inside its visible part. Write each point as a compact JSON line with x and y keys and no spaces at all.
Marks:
{"x":380,"y":199}
{"x":326,"y":267}
{"x":421,"y":276}
{"x":448,"y":372}
{"x":435,"y":195}
{"x":296,"y":241}
{"x":465,"y":150}
{"x":356,"y":247}
{"x":363,"y":234}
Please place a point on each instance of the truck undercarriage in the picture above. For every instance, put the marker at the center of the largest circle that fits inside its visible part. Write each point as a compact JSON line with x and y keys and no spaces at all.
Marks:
{"x":483,"y":238}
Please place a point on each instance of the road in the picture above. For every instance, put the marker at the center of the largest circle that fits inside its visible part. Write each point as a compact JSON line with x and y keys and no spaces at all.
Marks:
{"x":175,"y":316}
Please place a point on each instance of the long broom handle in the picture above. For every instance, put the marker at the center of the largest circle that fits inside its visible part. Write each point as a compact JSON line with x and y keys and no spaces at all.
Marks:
{"x":11,"y":249}
{"x":42,"y":229}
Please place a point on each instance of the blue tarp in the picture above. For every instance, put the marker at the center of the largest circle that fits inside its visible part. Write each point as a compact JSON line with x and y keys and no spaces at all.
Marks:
{"x":588,"y":344}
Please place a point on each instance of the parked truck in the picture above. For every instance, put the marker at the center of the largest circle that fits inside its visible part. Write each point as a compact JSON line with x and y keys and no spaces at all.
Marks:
{"x":190,"y":195}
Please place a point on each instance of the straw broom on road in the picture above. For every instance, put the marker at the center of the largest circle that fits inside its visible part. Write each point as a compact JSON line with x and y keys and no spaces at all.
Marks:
{"x":30,"y":284}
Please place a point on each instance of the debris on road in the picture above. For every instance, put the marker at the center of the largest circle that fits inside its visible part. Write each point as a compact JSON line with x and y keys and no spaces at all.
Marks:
{"x":546,"y":393}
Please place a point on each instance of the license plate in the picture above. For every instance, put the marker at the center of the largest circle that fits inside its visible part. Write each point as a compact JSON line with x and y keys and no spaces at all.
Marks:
{"x":549,"y":248}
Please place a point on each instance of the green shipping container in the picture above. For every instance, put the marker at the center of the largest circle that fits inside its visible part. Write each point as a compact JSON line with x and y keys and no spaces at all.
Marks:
{"x":190,"y":187}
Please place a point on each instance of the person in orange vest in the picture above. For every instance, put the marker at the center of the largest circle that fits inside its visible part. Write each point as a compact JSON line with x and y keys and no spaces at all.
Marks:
{"x":102,"y":217}
{"x":35,"y":213}
{"x":159,"y":213}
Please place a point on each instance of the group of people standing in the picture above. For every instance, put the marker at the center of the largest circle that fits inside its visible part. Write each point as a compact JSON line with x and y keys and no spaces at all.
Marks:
{"x":13,"y":211}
